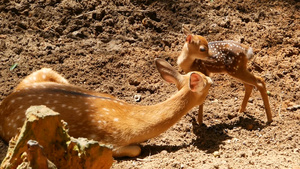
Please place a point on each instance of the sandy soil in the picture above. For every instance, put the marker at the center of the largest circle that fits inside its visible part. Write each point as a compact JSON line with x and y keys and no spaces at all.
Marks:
{"x":110,"y":46}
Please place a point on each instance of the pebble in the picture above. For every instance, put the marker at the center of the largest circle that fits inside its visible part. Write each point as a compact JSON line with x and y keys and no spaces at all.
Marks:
{"x":164,"y":152}
{"x":249,"y":127}
{"x":217,"y":154}
{"x":137,"y":98}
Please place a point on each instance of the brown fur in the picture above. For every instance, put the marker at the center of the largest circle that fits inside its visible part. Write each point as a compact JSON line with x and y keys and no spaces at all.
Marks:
{"x":222,"y":57}
{"x":100,"y":116}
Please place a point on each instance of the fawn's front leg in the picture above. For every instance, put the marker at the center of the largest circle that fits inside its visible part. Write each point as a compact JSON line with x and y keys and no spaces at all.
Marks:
{"x":200,"y":114}
{"x":248,"y":91}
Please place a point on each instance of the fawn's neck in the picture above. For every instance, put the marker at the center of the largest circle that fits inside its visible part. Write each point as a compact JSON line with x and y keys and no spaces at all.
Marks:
{"x":184,"y":61}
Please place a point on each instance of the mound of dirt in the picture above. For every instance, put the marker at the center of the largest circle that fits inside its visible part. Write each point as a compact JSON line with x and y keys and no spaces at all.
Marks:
{"x":110,"y":46}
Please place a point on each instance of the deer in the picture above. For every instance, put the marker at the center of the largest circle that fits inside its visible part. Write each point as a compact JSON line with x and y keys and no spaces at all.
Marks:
{"x":228,"y":57}
{"x":100,"y":116}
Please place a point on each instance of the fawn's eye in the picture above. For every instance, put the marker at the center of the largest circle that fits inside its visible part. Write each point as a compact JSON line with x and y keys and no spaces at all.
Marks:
{"x":202,"y":49}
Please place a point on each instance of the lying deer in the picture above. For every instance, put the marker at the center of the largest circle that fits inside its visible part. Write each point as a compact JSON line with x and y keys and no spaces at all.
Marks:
{"x":100,"y":116}
{"x":222,"y":57}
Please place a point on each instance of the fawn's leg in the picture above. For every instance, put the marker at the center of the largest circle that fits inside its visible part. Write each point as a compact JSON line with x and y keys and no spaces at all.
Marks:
{"x":129,"y":151}
{"x":261,"y":86}
{"x":200,"y":114}
{"x":248,"y":90}
{"x":245,"y":76}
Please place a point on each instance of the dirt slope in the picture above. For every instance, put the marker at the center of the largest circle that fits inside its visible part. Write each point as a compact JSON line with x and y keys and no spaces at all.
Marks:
{"x":110,"y":46}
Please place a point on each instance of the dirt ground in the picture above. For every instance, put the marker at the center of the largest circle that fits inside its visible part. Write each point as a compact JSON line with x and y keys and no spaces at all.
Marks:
{"x":110,"y":46}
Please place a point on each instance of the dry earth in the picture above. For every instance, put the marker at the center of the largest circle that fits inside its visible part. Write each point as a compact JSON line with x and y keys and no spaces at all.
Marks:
{"x":110,"y":46}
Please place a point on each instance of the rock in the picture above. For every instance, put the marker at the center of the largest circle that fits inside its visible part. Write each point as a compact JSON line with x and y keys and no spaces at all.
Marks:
{"x":137,"y":98}
{"x":249,"y":126}
{"x":44,"y":140}
{"x":217,"y":154}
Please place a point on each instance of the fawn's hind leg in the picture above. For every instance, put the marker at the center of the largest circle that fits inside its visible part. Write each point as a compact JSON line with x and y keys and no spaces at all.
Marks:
{"x":42,"y":75}
{"x":248,"y":78}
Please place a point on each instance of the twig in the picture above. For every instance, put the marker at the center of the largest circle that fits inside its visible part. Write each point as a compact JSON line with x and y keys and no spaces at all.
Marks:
{"x":140,"y":159}
{"x":293,"y":108}
{"x":78,"y":16}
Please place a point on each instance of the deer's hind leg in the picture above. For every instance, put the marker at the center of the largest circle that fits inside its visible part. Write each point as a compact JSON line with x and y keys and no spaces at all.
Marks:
{"x":127,"y":151}
{"x":42,"y":75}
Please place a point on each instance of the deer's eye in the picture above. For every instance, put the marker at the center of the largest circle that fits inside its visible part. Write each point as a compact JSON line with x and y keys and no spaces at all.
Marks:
{"x":202,"y":49}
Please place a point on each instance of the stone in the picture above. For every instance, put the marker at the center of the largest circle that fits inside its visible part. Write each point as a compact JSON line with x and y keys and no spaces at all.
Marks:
{"x":43,"y":142}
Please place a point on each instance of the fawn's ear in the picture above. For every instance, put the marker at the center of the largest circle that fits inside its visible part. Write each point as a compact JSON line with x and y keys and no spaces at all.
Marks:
{"x":188,"y":34}
{"x":196,"y":82}
{"x":167,"y":72}
{"x":186,"y":30}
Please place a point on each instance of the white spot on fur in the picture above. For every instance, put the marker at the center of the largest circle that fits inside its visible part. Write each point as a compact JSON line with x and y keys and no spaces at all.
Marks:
{"x":116,"y":119}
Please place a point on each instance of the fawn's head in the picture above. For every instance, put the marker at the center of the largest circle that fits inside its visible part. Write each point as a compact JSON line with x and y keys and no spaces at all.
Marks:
{"x":195,"y":46}
{"x":196,"y":82}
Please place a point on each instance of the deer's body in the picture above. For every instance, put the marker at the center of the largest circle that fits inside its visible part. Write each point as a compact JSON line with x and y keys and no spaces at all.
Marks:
{"x":222,"y":57}
{"x":99,"y":116}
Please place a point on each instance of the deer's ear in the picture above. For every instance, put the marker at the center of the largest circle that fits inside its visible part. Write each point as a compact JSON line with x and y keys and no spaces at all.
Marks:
{"x":196,"y":82}
{"x":167,"y":72}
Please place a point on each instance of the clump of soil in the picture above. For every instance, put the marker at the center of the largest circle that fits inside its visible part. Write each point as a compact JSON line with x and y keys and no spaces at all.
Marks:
{"x":110,"y":46}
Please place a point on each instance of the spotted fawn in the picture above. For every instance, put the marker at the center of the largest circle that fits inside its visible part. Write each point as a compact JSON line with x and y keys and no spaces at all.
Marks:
{"x":103,"y":117}
{"x":222,"y":57}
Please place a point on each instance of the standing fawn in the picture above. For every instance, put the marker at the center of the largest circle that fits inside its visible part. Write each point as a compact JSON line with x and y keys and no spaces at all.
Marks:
{"x":100,"y":116}
{"x":222,"y":57}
